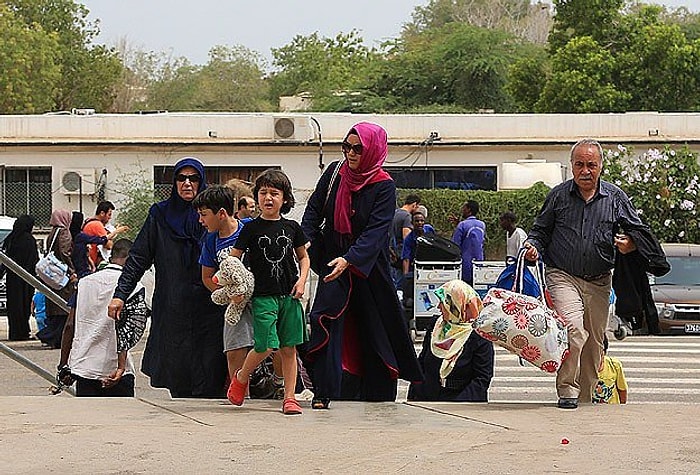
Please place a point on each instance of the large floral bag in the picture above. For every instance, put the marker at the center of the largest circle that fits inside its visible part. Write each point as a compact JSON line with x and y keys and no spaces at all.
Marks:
{"x":524,"y":325}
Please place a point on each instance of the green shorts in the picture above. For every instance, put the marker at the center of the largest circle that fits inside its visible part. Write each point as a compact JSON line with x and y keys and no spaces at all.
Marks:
{"x":277,"y":321}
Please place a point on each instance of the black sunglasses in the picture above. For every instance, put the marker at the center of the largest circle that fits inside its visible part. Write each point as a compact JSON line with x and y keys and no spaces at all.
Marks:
{"x":181,"y":178}
{"x":347,"y":146}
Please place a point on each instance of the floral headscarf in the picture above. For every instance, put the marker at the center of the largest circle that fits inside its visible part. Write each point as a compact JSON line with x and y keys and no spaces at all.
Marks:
{"x":460,"y":304}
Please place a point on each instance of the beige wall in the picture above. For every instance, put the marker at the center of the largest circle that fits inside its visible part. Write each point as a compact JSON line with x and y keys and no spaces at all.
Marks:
{"x":118,"y":142}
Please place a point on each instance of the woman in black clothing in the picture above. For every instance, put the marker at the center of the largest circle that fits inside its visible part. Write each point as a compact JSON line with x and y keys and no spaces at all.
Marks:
{"x":456,"y":361}
{"x":60,"y":242}
{"x":20,"y":246}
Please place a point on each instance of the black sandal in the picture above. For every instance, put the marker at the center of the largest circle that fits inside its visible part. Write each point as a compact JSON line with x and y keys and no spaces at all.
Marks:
{"x":320,"y":403}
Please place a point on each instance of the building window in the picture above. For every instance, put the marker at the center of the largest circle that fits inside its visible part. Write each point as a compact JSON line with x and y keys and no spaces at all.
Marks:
{"x":163,"y":177}
{"x":462,"y":178}
{"x":27,"y":191}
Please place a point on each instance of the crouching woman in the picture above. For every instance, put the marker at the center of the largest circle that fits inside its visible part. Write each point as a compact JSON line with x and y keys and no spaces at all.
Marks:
{"x":457,"y":363}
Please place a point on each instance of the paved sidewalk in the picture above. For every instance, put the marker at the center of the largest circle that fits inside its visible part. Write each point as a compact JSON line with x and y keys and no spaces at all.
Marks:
{"x":155,"y":434}
{"x":63,"y":433}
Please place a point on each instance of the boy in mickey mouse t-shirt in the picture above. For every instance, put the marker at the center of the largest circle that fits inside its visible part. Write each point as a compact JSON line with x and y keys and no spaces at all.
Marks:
{"x":274,"y":245}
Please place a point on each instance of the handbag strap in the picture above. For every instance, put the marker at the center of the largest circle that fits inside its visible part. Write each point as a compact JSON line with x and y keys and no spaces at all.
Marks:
{"x":53,"y":241}
{"x":330,"y":186}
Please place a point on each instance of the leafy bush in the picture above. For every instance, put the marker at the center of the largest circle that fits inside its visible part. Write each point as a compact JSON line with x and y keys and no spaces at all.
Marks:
{"x":138,"y":194}
{"x":663,"y":185}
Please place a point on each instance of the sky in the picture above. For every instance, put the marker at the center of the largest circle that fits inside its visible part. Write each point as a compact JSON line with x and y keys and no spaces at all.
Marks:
{"x":191,"y":28}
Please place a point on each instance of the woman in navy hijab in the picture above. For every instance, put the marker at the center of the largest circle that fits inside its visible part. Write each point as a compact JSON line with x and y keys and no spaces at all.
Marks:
{"x":184,"y":351}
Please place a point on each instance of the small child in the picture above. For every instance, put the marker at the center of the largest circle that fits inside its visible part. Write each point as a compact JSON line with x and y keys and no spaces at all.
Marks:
{"x":611,"y":387}
{"x":215,"y":206}
{"x":38,"y":309}
{"x":271,"y":241}
{"x":89,"y":347}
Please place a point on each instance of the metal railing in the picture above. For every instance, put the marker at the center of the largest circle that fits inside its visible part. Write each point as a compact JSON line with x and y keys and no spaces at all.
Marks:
{"x":55,"y":298}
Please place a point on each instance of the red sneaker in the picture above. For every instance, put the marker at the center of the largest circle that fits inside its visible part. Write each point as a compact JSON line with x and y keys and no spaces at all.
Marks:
{"x":236,"y":391}
{"x":290,"y":406}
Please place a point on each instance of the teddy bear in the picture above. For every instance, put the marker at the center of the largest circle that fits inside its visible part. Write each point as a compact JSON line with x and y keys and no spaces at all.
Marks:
{"x":233,"y":279}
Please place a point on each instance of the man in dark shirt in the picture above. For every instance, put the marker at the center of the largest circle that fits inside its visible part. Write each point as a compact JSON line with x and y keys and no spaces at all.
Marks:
{"x":574,"y":235}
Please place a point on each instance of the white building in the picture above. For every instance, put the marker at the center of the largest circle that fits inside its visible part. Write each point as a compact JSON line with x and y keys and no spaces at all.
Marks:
{"x":45,"y":160}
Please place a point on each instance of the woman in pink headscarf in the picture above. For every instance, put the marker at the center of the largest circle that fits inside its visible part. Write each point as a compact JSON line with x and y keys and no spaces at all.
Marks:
{"x":60,"y":242}
{"x":359,"y":343}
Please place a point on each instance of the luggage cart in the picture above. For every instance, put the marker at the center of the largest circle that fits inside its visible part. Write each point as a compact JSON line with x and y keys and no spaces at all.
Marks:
{"x":438,"y":260}
{"x":485,"y":275}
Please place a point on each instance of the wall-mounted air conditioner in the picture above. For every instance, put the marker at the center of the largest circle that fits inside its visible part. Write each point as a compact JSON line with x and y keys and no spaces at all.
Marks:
{"x":73,"y":180}
{"x":292,"y":129}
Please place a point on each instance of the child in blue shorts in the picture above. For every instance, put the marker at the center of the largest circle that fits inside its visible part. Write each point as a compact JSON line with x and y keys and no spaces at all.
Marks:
{"x":271,"y":243}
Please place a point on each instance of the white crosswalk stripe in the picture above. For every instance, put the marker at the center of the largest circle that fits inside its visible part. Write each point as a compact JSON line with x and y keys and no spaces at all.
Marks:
{"x":659,"y":370}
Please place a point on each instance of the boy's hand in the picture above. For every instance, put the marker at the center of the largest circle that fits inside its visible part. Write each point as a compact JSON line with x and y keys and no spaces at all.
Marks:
{"x":298,"y":289}
{"x":115,"y":308}
{"x":113,"y":378}
{"x":237,"y":298}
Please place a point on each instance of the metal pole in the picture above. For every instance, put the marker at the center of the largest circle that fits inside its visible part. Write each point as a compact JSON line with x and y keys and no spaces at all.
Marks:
{"x":33,"y":281}
{"x":36,"y":369}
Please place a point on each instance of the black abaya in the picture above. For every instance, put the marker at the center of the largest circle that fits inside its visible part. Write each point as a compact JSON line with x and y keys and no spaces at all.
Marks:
{"x":21,"y":248}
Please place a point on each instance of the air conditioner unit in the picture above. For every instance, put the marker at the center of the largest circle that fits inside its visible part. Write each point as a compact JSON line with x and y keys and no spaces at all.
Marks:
{"x":292,"y":129}
{"x":73,"y":180}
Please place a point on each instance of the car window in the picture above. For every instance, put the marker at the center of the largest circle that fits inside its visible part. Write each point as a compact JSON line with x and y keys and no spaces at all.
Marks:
{"x":3,"y":234}
{"x":684,"y":271}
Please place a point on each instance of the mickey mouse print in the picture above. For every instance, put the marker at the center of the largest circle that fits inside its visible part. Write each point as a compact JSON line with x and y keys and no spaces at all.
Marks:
{"x":270,"y":246}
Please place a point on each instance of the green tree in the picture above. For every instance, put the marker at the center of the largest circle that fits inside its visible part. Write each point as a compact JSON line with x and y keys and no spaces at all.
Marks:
{"x":527,"y":78}
{"x":457,"y":65}
{"x":89,"y":73}
{"x":660,"y":69}
{"x":582,"y":80}
{"x":321,"y":66}
{"x":688,"y":21}
{"x":599,"y":19}
{"x":29,"y":62}
{"x":175,"y":86}
{"x":233,"y":80}
{"x":522,"y":18}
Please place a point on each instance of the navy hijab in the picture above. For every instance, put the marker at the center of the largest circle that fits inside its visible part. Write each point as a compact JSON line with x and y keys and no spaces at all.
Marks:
{"x":179,"y":215}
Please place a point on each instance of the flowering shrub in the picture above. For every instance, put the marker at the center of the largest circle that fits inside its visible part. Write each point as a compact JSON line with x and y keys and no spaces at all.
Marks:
{"x":663,"y":185}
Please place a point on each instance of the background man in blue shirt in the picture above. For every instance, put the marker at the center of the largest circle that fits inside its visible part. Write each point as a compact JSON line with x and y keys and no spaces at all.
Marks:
{"x":469,"y":236}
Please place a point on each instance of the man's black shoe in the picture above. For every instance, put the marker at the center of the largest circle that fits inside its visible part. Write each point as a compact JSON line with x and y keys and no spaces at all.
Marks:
{"x":567,"y":403}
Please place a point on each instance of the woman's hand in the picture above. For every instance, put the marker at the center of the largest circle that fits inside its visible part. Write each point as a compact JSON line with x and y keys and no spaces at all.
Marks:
{"x":339,"y":264}
{"x":237,"y":298}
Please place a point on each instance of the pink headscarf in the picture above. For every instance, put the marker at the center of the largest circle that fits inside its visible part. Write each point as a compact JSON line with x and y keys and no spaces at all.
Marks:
{"x":61,"y":217}
{"x":374,"y":151}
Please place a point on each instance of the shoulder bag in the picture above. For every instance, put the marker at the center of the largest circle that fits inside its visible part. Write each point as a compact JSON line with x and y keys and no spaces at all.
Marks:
{"x":524,"y":325}
{"x":51,"y":270}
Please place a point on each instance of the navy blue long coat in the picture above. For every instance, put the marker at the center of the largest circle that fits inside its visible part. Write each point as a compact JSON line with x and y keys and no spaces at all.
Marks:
{"x":184,"y":350}
{"x":359,"y":340}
